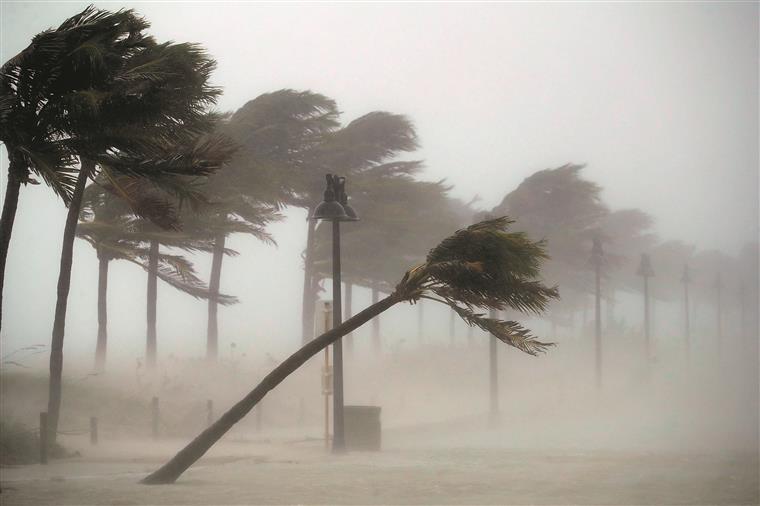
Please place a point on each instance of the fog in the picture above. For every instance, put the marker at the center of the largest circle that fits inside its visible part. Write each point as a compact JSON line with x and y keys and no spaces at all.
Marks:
{"x":658,"y":101}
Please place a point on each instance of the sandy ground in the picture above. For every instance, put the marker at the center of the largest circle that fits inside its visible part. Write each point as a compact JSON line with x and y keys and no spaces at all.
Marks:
{"x":413,"y":468}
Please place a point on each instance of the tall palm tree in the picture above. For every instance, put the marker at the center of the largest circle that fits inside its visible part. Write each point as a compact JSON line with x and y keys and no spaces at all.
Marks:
{"x":478,"y":268}
{"x":277,"y":133}
{"x":35,"y":124}
{"x":118,"y":102}
{"x":238,"y":204}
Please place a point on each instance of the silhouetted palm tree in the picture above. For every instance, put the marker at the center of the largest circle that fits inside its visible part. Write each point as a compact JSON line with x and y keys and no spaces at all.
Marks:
{"x":119,"y":102}
{"x":479,"y":268}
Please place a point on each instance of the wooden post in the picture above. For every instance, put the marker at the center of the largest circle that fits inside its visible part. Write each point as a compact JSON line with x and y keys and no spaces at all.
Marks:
{"x":154,"y":416}
{"x":93,"y":430}
{"x":209,"y":412}
{"x":43,"y":438}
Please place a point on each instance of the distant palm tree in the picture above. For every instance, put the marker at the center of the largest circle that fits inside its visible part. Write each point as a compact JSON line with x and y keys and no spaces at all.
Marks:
{"x":479,"y":268}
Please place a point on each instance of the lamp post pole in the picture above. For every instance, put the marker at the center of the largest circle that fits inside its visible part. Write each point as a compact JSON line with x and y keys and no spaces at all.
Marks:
{"x":339,"y":441}
{"x":686,"y":279}
{"x":335,"y":208}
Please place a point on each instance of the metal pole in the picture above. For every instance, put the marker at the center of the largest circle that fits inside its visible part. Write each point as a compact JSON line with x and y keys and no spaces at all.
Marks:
{"x":598,"y":325}
{"x":493,"y":374}
{"x":719,"y":319}
{"x":646,"y":317}
{"x":687,"y":320}
{"x":327,"y":402}
{"x":339,"y":443}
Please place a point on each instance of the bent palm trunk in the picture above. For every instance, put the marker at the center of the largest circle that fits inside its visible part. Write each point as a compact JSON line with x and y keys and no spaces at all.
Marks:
{"x":150,"y":348}
{"x":172,"y":470}
{"x":64,"y":283}
{"x":10,"y":204}
{"x":212,"y":335}
{"x":102,"y":344}
{"x":378,"y":345}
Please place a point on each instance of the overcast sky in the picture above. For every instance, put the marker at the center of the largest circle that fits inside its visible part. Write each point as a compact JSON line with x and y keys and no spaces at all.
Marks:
{"x":659,"y":99}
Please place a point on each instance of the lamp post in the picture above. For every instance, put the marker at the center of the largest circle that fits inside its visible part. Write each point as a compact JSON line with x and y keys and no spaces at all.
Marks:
{"x":645,"y":271}
{"x":335,"y":208}
{"x":596,"y":260}
{"x":686,"y":279}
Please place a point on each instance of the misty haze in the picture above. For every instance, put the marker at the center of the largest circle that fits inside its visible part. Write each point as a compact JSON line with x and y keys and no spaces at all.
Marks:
{"x":379,"y":253}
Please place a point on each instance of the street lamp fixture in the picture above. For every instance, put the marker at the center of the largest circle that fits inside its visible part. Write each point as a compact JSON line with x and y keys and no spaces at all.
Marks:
{"x":335,"y":208}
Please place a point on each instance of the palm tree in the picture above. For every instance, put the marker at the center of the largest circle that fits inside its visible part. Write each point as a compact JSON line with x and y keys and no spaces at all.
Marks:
{"x":119,"y":102}
{"x":238,"y":204}
{"x":277,"y":133}
{"x":35,"y":124}
{"x":566,"y":209}
{"x":481,"y":267}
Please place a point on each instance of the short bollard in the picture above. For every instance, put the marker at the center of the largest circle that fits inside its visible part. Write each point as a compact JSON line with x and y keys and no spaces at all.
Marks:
{"x":155,"y":416}
{"x":209,"y":412}
{"x":43,"y":438}
{"x":93,"y":430}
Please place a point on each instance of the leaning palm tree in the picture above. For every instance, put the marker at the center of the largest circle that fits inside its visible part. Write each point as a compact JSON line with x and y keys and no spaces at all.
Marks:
{"x":479,"y":268}
{"x":145,"y":115}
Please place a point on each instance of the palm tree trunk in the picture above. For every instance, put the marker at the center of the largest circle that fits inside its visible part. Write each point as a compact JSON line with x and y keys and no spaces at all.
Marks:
{"x":169,"y":472}
{"x":212,"y":336}
{"x":10,"y":205}
{"x":307,"y":311}
{"x":378,"y":345}
{"x":150,"y":350}
{"x":64,"y":283}
{"x":102,"y":344}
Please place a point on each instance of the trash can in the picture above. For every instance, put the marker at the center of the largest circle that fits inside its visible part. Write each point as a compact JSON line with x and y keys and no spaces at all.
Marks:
{"x":361,"y":425}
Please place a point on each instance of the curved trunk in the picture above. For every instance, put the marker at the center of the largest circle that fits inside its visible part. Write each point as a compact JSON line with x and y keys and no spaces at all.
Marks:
{"x":150,"y":349}
{"x":212,"y":335}
{"x":64,"y":283}
{"x":102,"y":344}
{"x":308,"y":300}
{"x":376,"y":322}
{"x":10,"y":205}
{"x":348,"y":310}
{"x":169,"y":472}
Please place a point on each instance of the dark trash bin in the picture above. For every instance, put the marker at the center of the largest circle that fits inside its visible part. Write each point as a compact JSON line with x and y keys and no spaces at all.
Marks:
{"x":361,"y":425}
